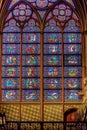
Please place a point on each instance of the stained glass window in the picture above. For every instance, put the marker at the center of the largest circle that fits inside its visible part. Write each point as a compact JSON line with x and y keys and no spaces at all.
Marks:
{"x":41,"y":55}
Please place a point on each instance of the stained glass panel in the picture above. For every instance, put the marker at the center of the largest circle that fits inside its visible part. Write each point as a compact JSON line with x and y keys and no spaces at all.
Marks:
{"x":31,"y":60}
{"x":30,"y":95}
{"x":72,"y":72}
{"x":11,"y":38}
{"x":31,"y":83}
{"x":71,"y":27}
{"x":73,"y":83}
{"x":72,"y":96}
{"x":31,"y":49}
{"x":52,"y":95}
{"x":31,"y":26}
{"x":53,"y":83}
{"x":52,"y":71}
{"x":52,"y":38}
{"x":72,"y":38}
{"x":72,"y":49}
{"x":13,"y":2}
{"x":52,"y":49}
{"x":10,"y":60}
{"x":10,"y":95}
{"x":11,"y":49}
{"x":31,"y":38}
{"x":72,"y":60}
{"x":52,"y":60}
{"x":30,"y":71}
{"x":10,"y":83}
{"x":11,"y":29}
{"x":10,"y":71}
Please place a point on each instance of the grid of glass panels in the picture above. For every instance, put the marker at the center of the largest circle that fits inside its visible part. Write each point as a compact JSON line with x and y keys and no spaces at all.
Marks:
{"x":72,"y":62}
{"x":11,"y":62}
{"x":31,"y":62}
{"x":52,"y":63}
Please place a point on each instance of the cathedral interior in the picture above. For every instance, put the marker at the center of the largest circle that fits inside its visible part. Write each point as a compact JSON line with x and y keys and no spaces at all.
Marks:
{"x":43,"y":61}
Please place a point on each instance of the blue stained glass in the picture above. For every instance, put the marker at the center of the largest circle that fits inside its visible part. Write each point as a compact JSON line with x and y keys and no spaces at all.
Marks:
{"x":71,"y":27}
{"x":11,"y":38}
{"x":31,"y":27}
{"x":72,"y":49}
{"x":13,"y":2}
{"x":52,"y":60}
{"x":73,"y":83}
{"x":31,"y":60}
{"x":72,"y":72}
{"x":30,"y":95}
{"x":41,"y":4}
{"x":72,"y":60}
{"x":12,"y":27}
{"x":10,"y":83}
{"x":52,"y":83}
{"x":31,"y":71}
{"x":31,"y":49}
{"x":31,"y":1}
{"x":10,"y":71}
{"x":52,"y":95}
{"x":52,"y":38}
{"x":31,"y":38}
{"x":72,"y":38}
{"x":52,"y":28}
{"x":10,"y":49}
{"x":53,"y":49}
{"x":31,"y":83}
{"x":10,"y":60}
{"x":10,"y":95}
{"x":52,"y":71}
{"x":72,"y":96}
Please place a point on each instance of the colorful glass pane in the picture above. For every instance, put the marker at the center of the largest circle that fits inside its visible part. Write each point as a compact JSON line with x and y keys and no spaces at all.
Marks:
{"x":31,"y":83}
{"x":72,"y":60}
{"x":52,"y":27}
{"x":10,"y":95}
{"x":52,"y":95}
{"x":32,"y":26}
{"x":31,"y":60}
{"x":11,"y":29}
{"x":52,"y":60}
{"x":31,"y":38}
{"x":31,"y":29}
{"x":52,"y":71}
{"x":10,"y":83}
{"x":72,"y":38}
{"x":72,"y":72}
{"x":52,"y":38}
{"x":10,"y":71}
{"x":30,"y":95}
{"x":13,"y":2}
{"x":71,"y":27}
{"x":52,"y":49}
{"x":52,"y":83}
{"x":73,"y":83}
{"x":72,"y":96}
{"x":10,"y":60}
{"x":11,"y":49}
{"x":72,"y":49}
{"x":41,"y":4}
{"x":11,"y":38}
{"x":30,"y":71}
{"x":31,"y":49}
